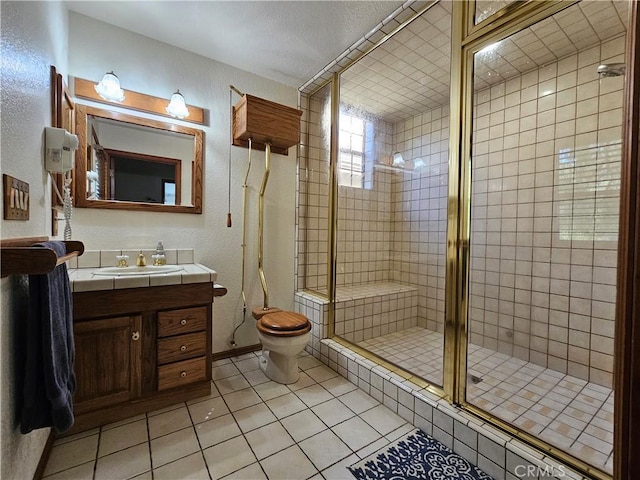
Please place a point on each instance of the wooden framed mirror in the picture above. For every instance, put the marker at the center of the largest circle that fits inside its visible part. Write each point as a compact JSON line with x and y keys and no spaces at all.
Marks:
{"x":127,"y":162}
{"x":62,"y":116}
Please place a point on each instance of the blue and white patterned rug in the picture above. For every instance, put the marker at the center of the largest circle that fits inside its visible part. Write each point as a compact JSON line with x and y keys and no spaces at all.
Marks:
{"x":417,"y":456}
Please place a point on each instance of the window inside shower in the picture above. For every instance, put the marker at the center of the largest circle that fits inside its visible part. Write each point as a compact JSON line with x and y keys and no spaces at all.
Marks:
{"x":351,"y":150}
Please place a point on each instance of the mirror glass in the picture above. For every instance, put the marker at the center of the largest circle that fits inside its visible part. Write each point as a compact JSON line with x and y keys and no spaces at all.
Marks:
{"x":135,"y":163}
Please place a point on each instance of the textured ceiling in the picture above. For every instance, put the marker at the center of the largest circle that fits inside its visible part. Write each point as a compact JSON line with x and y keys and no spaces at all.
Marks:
{"x":286,"y":41}
{"x":409,"y":73}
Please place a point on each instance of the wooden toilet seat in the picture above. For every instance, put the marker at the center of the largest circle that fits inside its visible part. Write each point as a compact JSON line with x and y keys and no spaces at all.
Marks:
{"x":284,"y":324}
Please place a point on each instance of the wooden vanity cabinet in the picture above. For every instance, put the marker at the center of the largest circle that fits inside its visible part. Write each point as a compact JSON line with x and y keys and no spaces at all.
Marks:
{"x":140,"y":349}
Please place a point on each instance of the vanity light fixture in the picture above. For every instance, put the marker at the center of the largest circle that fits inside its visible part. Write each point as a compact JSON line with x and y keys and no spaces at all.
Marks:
{"x":419,"y":163}
{"x":398,"y":160}
{"x":177,"y":106}
{"x":109,"y":88}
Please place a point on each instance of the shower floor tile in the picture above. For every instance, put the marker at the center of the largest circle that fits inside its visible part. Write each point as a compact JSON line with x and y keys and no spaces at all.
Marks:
{"x":565,"y":411}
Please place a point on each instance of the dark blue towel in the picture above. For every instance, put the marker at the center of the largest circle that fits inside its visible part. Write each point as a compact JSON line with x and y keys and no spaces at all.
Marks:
{"x":49,"y":381}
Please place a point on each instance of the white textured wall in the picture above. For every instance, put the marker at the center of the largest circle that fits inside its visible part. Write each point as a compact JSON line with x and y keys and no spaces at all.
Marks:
{"x":151,"y":67}
{"x":34,"y":36}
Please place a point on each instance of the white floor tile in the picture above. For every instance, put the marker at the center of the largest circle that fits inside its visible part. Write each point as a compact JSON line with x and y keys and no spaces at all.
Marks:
{"x":217,"y":430}
{"x":303,"y":425}
{"x":109,"y":426}
{"x":224,"y":371}
{"x":313,"y":395}
{"x":252,"y":472}
{"x":231,"y":384}
{"x":78,"y":436}
{"x":248,"y":364}
{"x":254,"y":417}
{"x":123,"y":437}
{"x":358,"y":401}
{"x":332,"y":412}
{"x":271,"y":389}
{"x":228,"y":457}
{"x":338,"y":386}
{"x":71,"y":454}
{"x":321,"y":373}
{"x":124,"y":464}
{"x":174,"y":446}
{"x":383,"y":419}
{"x":303,"y":382}
{"x":356,"y":433}
{"x":324,"y":449}
{"x":256,"y":377}
{"x":169,"y":422}
{"x":290,"y":464}
{"x":339,"y":471}
{"x":286,"y":405}
{"x":211,"y":408}
{"x":191,"y":467}
{"x":241,"y":399}
{"x":306,"y":362}
{"x":81,"y":472}
{"x":268,"y":440}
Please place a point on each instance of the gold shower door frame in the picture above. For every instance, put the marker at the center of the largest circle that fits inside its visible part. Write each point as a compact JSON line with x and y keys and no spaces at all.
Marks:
{"x":467,"y":39}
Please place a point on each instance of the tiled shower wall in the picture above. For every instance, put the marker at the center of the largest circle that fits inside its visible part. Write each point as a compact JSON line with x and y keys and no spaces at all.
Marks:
{"x":420,"y":212}
{"x":545,"y":190}
{"x":313,"y":198}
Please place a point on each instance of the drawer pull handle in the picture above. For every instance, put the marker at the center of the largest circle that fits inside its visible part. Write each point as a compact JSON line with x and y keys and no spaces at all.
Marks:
{"x":135,"y":336}
{"x":183,"y":374}
{"x":183,"y":322}
{"x":183,"y":348}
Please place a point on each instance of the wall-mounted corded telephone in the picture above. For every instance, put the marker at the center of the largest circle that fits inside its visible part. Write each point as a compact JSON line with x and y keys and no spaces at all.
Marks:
{"x":59,"y":146}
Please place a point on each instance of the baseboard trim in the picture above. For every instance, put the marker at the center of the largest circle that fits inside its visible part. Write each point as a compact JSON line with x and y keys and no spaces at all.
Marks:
{"x":234,"y":352}
{"x":44,"y":458}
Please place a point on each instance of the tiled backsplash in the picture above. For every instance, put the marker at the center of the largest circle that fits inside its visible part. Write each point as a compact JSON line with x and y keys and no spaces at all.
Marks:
{"x":107,"y":258}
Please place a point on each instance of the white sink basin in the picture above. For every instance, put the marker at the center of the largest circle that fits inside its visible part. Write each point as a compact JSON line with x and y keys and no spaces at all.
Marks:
{"x":126,"y":271}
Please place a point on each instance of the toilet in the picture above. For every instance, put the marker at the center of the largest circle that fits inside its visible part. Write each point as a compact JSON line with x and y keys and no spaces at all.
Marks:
{"x":283,"y":335}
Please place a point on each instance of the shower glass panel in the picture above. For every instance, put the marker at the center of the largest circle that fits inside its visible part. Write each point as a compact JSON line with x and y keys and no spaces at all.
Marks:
{"x":392,"y":196}
{"x":313,"y":199}
{"x":545,"y":186}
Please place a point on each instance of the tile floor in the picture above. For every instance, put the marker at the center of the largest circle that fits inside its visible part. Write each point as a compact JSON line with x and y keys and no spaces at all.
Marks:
{"x":248,"y":428}
{"x":568,"y":412}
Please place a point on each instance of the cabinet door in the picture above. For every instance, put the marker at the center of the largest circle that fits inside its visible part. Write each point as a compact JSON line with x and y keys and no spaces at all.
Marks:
{"x":107,"y":364}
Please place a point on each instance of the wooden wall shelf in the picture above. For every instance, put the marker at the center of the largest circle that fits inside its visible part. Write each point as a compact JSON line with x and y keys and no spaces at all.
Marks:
{"x":20,"y":257}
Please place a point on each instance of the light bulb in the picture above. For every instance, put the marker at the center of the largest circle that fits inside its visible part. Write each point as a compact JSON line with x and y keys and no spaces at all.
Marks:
{"x":177,"y":106}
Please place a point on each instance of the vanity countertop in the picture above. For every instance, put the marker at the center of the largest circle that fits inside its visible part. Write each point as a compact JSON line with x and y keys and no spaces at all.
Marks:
{"x":85,"y":279}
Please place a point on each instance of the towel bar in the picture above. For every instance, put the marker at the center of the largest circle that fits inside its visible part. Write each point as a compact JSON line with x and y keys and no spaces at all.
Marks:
{"x":19,"y":256}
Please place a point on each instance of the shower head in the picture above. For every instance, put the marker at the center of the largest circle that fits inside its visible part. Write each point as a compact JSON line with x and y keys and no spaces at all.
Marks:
{"x":611,"y":69}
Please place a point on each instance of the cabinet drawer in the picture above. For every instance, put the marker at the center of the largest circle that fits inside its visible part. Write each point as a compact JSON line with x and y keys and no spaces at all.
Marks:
{"x":185,"y":320}
{"x":181,"y":373}
{"x":181,"y":347}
